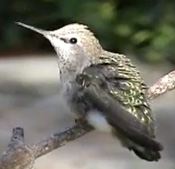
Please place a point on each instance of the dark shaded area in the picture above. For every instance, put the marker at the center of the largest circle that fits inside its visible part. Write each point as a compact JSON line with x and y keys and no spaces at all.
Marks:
{"x":142,"y":28}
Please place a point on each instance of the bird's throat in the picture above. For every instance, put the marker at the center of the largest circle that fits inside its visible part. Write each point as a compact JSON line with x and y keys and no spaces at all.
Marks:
{"x":68,"y":74}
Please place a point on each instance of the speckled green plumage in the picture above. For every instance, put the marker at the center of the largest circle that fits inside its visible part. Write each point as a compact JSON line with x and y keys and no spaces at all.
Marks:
{"x":114,"y":86}
{"x":131,"y":92}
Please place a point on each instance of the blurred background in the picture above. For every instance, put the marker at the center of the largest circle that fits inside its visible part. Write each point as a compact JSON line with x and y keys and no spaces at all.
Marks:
{"x":29,"y":79}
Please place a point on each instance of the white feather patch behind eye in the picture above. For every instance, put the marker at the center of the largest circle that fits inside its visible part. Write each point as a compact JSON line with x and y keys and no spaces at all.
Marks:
{"x":98,"y":121}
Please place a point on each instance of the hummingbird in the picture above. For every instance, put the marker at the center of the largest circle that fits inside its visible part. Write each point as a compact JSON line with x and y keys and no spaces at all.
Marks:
{"x":104,"y":88}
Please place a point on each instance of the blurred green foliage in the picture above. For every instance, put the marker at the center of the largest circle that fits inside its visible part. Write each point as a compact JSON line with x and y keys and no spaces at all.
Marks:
{"x":144,"y":28}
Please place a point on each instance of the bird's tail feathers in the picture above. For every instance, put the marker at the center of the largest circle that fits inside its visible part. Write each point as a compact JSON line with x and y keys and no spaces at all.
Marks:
{"x":149,"y":155}
{"x":146,"y":153}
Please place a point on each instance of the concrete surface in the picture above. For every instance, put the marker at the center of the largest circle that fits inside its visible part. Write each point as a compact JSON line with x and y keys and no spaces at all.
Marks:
{"x":29,"y":97}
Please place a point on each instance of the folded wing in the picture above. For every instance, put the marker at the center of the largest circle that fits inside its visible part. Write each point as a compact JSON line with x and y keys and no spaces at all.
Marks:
{"x":121,"y":100}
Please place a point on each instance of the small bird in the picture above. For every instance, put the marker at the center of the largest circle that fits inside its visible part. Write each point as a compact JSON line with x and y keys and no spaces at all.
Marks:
{"x":104,"y":88}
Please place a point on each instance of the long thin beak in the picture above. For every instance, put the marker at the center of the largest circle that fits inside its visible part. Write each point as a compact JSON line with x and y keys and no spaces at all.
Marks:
{"x":40,"y":31}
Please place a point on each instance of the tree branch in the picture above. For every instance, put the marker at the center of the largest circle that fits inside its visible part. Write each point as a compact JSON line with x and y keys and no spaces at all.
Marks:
{"x":60,"y":139}
{"x":18,"y":155}
{"x":163,"y":85}
{"x":21,"y":156}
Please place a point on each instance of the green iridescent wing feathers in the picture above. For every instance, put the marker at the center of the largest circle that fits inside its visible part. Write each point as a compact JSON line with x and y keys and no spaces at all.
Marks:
{"x":126,"y":85}
{"x":118,"y":91}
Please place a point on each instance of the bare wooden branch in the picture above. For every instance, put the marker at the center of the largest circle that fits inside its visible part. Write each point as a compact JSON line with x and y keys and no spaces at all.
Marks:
{"x":60,"y":139}
{"x":21,"y":156}
{"x":163,"y":85}
{"x":18,"y":155}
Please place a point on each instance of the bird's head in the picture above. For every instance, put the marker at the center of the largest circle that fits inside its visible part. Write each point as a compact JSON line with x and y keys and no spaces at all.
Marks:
{"x":71,"y":40}
{"x":75,"y":45}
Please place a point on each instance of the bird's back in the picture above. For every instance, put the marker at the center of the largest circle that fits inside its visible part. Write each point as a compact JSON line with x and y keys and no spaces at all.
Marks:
{"x":127,"y":86}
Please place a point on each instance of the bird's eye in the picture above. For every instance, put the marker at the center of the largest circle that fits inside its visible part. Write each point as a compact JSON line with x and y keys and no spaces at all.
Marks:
{"x":73,"y":40}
